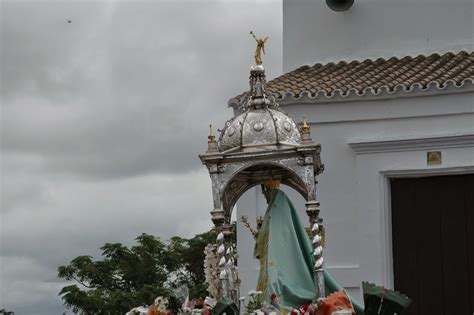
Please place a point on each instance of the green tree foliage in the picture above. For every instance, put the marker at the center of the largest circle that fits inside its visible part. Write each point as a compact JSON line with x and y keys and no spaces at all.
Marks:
{"x":129,"y":277}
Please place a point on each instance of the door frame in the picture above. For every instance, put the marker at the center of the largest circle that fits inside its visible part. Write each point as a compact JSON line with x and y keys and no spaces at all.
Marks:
{"x":386,"y":216}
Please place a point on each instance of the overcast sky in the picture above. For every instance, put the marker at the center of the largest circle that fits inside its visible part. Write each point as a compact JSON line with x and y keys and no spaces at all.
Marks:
{"x":102,"y":120}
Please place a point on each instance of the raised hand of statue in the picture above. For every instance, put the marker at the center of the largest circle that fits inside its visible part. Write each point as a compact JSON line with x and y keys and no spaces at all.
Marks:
{"x":260,"y":48}
{"x":245,"y":221}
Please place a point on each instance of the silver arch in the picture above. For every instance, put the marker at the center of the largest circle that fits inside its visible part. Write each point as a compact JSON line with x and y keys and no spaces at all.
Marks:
{"x":252,"y":175}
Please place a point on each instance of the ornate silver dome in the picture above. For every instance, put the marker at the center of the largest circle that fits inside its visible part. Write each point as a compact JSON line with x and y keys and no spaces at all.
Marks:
{"x":259,"y":127}
{"x":260,"y":123}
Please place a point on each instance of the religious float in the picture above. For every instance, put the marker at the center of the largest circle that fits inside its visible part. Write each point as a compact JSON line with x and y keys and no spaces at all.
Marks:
{"x":262,"y":146}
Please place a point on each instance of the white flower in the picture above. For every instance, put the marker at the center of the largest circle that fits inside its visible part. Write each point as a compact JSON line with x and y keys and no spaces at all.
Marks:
{"x":252,"y":292}
{"x":210,"y":301}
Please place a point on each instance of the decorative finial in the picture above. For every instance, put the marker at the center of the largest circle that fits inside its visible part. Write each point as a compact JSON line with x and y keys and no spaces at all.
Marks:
{"x":211,"y":141}
{"x":305,"y":133}
{"x":305,"y":127}
{"x":260,"y":48}
{"x":211,"y":137}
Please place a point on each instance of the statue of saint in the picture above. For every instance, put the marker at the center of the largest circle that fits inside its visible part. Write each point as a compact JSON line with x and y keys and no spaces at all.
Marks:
{"x":284,"y":251}
{"x":260,"y":48}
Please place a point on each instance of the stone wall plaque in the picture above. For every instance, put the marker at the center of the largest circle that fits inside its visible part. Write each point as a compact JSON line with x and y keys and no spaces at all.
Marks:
{"x":433,"y":158}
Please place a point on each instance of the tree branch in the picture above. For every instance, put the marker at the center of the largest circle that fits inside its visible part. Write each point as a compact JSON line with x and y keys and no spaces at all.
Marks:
{"x":82,"y":283}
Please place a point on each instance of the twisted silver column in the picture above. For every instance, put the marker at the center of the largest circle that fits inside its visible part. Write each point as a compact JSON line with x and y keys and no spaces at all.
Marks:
{"x":318,"y":261}
{"x":223,"y":276}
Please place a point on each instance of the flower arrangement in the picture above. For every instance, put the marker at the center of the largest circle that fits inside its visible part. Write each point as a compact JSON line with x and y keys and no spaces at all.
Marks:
{"x":305,"y":309}
{"x":335,"y":301}
{"x":198,"y":306}
{"x":255,"y":301}
{"x":159,"y":307}
{"x":257,"y":305}
{"x":211,"y":270}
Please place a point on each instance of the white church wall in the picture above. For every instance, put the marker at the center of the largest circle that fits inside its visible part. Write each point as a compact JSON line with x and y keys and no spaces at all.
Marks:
{"x":353,"y":188}
{"x":373,"y":28}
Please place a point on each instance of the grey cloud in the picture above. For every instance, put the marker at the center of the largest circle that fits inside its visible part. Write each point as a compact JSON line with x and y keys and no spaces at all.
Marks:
{"x":24,"y":292}
{"x":127,"y":92}
{"x":102,"y":120}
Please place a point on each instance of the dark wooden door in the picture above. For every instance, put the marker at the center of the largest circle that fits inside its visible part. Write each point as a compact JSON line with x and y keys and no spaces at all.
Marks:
{"x":433,"y":243}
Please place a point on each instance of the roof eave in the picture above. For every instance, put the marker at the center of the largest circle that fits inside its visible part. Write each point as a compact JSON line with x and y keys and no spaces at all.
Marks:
{"x":400,"y":91}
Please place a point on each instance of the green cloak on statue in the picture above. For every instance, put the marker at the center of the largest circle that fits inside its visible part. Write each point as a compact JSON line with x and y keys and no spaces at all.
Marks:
{"x":285,"y":253}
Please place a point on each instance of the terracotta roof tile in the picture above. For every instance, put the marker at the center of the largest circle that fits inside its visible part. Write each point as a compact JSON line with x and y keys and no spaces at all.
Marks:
{"x":377,"y":75}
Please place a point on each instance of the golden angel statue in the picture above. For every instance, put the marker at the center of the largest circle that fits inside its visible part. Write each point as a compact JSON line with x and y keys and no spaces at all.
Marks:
{"x":260,"y":48}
